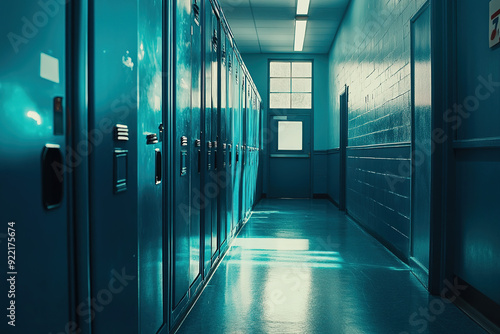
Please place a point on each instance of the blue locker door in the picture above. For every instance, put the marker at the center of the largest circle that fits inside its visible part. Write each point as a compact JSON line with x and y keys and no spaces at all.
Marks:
{"x":251,"y":118}
{"x":254,"y":131}
{"x":251,"y":182}
{"x":34,"y":175}
{"x":207,"y":150}
{"x":181,"y":140}
{"x":214,"y":196}
{"x":248,"y":159}
{"x":255,"y":151}
{"x":196,"y":167}
{"x":236,"y":142}
{"x":113,"y":66}
{"x":242,"y":145}
{"x":250,"y":155}
{"x":258,"y":185}
{"x":244,"y":167}
{"x":149,"y":167}
{"x":221,"y":175}
{"x":229,"y":139}
{"x":248,"y":136}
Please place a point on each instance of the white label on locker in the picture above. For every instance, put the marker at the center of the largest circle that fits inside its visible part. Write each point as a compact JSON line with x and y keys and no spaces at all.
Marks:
{"x":494,"y":32}
{"x":49,"y":67}
{"x":157,"y":106}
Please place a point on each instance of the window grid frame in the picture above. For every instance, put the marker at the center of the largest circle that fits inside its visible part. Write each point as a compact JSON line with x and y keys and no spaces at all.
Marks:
{"x":290,"y":79}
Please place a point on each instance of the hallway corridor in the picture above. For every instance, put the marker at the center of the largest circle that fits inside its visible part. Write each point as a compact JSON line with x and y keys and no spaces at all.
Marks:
{"x":301,"y":266}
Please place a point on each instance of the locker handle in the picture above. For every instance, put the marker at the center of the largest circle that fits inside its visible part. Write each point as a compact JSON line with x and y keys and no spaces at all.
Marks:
{"x":157,"y":166}
{"x":215,"y":158}
{"x":183,"y":163}
{"x":199,"y":161}
{"x":196,"y":13}
{"x":52,"y":176}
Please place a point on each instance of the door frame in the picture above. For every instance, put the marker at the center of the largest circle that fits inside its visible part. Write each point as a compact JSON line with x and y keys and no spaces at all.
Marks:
{"x":343,"y":144}
{"x":282,"y":112}
{"x":417,"y":268}
{"x":443,"y":59}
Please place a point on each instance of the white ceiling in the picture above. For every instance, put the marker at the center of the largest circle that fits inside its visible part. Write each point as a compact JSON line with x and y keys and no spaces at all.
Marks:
{"x":268,"y":26}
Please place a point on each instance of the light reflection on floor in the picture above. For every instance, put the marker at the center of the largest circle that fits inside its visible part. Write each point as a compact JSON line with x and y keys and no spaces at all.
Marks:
{"x":306,"y":268}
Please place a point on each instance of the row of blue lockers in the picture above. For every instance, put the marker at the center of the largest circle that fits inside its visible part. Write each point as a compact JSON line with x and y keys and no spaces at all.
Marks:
{"x":129,"y":145}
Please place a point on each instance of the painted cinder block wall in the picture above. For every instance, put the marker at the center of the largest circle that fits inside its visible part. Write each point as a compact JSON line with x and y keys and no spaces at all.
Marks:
{"x":371,"y":55}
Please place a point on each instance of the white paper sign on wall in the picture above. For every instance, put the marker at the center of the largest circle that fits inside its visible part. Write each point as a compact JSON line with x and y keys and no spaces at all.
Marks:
{"x":494,"y":23}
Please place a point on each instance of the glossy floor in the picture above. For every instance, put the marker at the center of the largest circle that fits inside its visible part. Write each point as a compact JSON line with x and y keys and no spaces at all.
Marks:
{"x":301,"y":266}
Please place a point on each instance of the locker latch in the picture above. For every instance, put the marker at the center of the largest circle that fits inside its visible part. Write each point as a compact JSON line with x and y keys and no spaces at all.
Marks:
{"x":158,"y":163}
{"x":160,"y":130}
{"x":152,"y":138}
{"x":58,"y":116}
{"x":214,"y":40}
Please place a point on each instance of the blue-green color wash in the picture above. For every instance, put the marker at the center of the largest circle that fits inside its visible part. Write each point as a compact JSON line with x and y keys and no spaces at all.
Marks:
{"x":301,"y":266}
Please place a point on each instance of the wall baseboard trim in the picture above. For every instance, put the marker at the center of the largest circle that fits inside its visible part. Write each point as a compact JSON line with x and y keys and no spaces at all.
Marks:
{"x":479,"y":307}
{"x":420,"y":272}
{"x":327,"y":197}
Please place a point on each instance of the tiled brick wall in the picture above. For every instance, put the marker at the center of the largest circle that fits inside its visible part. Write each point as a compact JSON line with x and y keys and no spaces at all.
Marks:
{"x":378,"y":193}
{"x":371,"y":55}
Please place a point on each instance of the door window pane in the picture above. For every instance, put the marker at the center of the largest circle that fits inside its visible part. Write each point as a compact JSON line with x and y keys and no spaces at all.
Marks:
{"x":301,"y":101}
{"x":301,"y":85}
{"x":279,"y":100}
{"x":302,"y":69}
{"x":280,"y":69}
{"x":289,"y":136}
{"x":280,"y":85}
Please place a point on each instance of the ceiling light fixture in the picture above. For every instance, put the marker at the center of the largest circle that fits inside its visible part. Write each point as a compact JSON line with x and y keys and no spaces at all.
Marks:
{"x":303,"y":7}
{"x":300,"y":32}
